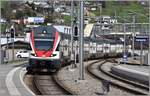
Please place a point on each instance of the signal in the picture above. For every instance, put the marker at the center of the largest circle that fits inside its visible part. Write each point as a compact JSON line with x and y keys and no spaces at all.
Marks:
{"x":75,"y":33}
{"x":12,"y":32}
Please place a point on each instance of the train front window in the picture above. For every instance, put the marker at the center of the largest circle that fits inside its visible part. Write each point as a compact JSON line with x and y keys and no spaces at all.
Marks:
{"x":43,"y":45}
{"x":44,"y":32}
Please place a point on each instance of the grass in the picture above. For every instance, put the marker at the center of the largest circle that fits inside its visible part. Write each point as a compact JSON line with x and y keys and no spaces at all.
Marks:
{"x":123,"y":10}
{"x":67,"y":19}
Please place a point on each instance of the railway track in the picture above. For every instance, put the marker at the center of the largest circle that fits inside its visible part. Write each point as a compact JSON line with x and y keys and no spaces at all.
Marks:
{"x":48,"y":85}
{"x":97,"y":69}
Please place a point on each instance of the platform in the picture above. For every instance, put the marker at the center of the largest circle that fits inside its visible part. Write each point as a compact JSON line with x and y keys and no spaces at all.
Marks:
{"x":131,"y":61}
{"x":11,"y":80}
{"x":134,"y":72}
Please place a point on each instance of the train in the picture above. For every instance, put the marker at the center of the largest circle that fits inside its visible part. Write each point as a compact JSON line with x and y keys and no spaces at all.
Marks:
{"x":50,"y":49}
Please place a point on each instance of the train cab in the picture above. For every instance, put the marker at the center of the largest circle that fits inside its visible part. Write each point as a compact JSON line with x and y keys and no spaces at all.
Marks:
{"x":44,"y":41}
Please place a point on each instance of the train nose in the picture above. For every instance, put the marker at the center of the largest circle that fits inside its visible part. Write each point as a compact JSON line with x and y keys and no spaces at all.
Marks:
{"x":43,"y":55}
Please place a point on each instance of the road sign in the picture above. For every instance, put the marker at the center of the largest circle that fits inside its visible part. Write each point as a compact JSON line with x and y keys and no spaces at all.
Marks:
{"x":141,"y":38}
{"x":125,"y":57}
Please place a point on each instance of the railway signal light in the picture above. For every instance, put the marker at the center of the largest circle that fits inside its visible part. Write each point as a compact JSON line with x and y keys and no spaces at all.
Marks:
{"x":75,"y":33}
{"x":12,"y":32}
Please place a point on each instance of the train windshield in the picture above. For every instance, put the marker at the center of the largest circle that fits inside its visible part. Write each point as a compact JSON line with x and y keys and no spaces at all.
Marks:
{"x":44,"y":32}
{"x":43,"y":45}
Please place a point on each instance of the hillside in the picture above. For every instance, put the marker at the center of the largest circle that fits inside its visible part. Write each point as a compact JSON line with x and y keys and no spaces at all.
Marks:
{"x":125,"y":9}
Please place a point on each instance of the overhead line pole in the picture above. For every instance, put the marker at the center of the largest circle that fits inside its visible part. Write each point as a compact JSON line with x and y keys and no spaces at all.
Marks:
{"x":116,"y":30}
{"x":133,"y":36}
{"x":149,"y":29}
{"x":0,"y":42}
{"x":72,"y":29}
{"x":149,"y":36}
{"x":81,"y":40}
{"x":14,"y":44}
{"x":13,"y":40}
{"x":124,"y":29}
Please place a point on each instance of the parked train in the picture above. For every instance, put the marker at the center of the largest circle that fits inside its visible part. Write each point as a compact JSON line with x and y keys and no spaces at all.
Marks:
{"x":51,"y":49}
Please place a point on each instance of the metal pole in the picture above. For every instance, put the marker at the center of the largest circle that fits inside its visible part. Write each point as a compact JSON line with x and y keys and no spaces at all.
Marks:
{"x":149,"y":36}
{"x":7,"y":39}
{"x":81,"y":40}
{"x":75,"y":52}
{"x":149,"y":32}
{"x":124,"y":42}
{"x":12,"y":48}
{"x":115,"y":31}
{"x":7,"y":36}
{"x":100,"y":12}
{"x":133,"y":37}
{"x":0,"y":43}
{"x":13,"y":51}
{"x":72,"y":29}
{"x":100,"y":8}
{"x":141,"y":53}
{"x":13,"y":45}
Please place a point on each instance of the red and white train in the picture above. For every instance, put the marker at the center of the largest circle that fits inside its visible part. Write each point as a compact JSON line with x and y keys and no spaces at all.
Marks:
{"x":44,"y":42}
{"x":50,"y":48}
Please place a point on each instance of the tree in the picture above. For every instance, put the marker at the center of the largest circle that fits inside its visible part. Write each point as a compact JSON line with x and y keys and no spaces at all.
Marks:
{"x":6,"y":10}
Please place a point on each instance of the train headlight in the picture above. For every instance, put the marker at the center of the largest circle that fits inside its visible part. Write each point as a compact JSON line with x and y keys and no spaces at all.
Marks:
{"x":44,"y":31}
